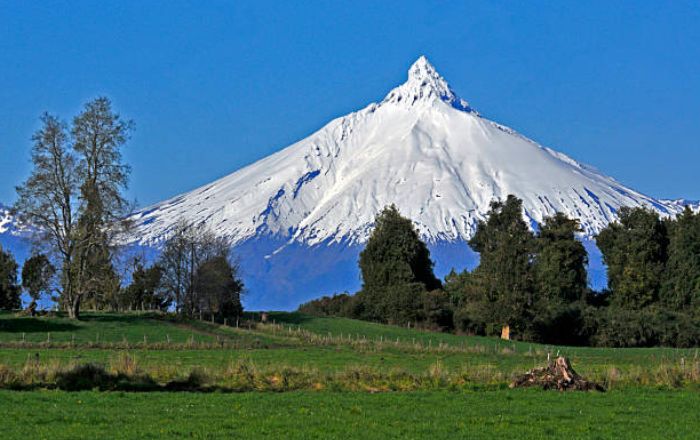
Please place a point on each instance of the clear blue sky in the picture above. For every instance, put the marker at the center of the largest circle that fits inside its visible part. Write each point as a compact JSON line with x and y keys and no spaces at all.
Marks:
{"x":213,"y":86}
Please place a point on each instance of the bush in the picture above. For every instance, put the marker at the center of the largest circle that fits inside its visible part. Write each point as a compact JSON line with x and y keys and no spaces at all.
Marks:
{"x":648,"y":327}
{"x":624,"y":328}
{"x":95,"y":376}
{"x":677,"y":329}
{"x":195,"y":381}
{"x":85,"y":377}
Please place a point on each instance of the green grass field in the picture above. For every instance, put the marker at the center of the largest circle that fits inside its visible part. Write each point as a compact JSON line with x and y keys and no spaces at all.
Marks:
{"x":96,"y":328}
{"x":341,"y":378}
{"x":522,"y":414}
{"x":277,"y":343}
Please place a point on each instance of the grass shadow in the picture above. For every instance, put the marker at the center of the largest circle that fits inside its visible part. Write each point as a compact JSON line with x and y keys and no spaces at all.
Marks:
{"x":295,"y":318}
{"x":35,"y":325}
{"x":123,"y":318}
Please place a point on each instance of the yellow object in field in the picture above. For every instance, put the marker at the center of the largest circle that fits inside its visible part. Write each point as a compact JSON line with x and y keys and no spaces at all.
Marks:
{"x":505,"y":332}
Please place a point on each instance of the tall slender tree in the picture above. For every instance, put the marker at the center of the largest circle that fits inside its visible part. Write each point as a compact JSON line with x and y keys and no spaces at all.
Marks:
{"x":48,"y":199}
{"x":98,"y":137}
{"x":174,"y":259}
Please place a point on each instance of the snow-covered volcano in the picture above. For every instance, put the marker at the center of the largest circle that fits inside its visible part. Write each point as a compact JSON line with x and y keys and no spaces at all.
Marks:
{"x":298,"y":216}
{"x":422,"y":148}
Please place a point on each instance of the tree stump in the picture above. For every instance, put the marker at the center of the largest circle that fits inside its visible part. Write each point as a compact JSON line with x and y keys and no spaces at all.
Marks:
{"x":557,"y":375}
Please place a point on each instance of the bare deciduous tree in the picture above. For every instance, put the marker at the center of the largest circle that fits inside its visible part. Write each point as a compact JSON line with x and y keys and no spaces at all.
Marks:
{"x":48,"y":199}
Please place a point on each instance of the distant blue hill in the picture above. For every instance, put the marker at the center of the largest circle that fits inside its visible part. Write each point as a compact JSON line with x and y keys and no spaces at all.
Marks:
{"x":299,"y":273}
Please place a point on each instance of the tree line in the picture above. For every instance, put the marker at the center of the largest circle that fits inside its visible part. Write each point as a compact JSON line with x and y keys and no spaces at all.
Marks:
{"x":74,"y":199}
{"x":535,"y":282}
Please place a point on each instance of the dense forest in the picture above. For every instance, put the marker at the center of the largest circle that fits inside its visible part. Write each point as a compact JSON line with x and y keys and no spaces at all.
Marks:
{"x":536,"y":282}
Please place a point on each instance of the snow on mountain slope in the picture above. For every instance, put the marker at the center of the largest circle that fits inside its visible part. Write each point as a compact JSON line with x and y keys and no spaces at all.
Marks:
{"x":10,"y":224}
{"x":422,"y":148}
{"x":6,"y":220}
{"x":14,"y":236}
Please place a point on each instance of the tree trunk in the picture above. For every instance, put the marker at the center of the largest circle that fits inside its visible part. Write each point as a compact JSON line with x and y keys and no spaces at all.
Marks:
{"x":74,"y":310}
{"x":32,"y":308}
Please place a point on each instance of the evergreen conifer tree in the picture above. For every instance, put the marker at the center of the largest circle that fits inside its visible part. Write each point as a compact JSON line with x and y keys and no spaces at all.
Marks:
{"x":145,"y":292}
{"x":396,"y":269}
{"x":561,"y":282}
{"x":504,"y":276}
{"x":9,"y":289}
{"x":681,"y":287}
{"x":635,"y":252}
{"x":37,"y":272}
{"x":219,"y":288}
{"x":560,"y":264}
{"x":98,"y":136}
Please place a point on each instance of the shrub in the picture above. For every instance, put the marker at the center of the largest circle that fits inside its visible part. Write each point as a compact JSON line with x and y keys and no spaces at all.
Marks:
{"x":85,"y":377}
{"x":619,"y":327}
{"x":94,"y":376}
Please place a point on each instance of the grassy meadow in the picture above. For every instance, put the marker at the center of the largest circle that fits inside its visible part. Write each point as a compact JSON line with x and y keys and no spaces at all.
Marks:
{"x":522,"y":414}
{"x":306,"y":377}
